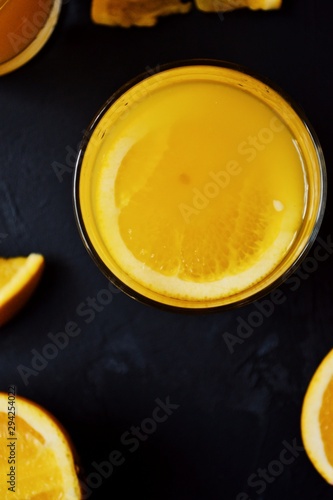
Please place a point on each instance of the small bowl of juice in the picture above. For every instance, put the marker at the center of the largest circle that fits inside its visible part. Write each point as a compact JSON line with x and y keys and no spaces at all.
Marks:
{"x":25,"y":27}
{"x":199,"y":187}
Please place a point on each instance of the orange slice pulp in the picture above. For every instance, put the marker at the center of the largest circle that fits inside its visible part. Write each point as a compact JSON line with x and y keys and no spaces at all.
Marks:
{"x":35,"y":453}
{"x":19,"y":276}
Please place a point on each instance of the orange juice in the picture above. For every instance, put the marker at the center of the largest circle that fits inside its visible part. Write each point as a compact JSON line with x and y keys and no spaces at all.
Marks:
{"x":200,"y":187}
{"x":25,"y":25}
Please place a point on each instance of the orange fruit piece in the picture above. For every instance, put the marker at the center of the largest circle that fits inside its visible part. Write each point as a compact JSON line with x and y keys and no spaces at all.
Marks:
{"x":163,"y":209}
{"x":225,"y":5}
{"x":317,"y":419}
{"x":19,"y":277}
{"x":128,"y":13}
{"x":39,"y":452}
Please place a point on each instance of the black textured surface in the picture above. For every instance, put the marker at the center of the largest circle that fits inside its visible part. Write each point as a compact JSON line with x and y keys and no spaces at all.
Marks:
{"x":237,"y":411}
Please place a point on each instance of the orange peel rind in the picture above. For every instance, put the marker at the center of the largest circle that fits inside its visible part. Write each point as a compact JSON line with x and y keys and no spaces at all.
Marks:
{"x":317,"y":419}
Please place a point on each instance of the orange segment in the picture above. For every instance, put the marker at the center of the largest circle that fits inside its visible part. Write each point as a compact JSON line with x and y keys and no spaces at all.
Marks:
{"x":146,"y":12}
{"x":164,"y":241}
{"x":317,"y":419}
{"x":180,"y":208}
{"x":19,"y":276}
{"x":44,"y":463}
{"x":225,"y":5}
{"x":128,"y":13}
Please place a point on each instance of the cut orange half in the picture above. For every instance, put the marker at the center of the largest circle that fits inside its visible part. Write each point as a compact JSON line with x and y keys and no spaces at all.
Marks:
{"x":35,"y":453}
{"x":317,"y":419}
{"x":19,"y":277}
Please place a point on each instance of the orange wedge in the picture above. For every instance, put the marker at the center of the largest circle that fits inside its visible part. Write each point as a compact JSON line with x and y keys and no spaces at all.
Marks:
{"x":317,"y":419}
{"x":128,"y":13}
{"x":39,"y":453}
{"x":19,"y":277}
{"x":225,"y":5}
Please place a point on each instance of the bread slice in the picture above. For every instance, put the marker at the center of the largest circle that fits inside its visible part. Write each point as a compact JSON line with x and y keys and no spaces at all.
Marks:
{"x":128,"y":13}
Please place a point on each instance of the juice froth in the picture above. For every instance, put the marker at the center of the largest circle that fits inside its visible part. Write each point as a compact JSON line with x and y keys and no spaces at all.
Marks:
{"x":192,"y":187}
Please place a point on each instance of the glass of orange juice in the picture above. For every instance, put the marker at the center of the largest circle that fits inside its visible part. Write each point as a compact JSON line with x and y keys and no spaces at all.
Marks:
{"x":25,"y":26}
{"x":199,"y":187}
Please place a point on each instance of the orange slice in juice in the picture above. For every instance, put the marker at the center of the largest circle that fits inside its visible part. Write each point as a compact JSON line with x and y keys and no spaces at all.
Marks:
{"x":170,"y":211}
{"x":194,"y":186}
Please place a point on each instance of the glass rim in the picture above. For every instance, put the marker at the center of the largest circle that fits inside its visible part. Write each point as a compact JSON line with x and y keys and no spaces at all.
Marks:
{"x":195,"y":308}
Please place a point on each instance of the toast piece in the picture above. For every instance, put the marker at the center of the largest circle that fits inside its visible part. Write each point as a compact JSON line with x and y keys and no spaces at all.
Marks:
{"x":128,"y":13}
{"x":226,"y":5}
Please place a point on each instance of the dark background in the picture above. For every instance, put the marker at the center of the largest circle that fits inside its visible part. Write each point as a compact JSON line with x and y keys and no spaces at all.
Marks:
{"x":236,"y":409}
